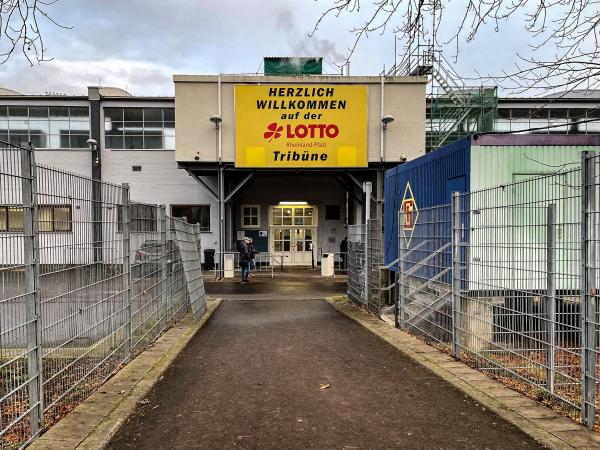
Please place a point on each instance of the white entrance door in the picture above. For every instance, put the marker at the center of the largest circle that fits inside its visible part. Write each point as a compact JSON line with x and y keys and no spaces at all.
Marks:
{"x":293,"y":232}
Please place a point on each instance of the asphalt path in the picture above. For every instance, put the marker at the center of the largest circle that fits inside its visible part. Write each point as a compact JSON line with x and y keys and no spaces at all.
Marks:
{"x":276,"y":374}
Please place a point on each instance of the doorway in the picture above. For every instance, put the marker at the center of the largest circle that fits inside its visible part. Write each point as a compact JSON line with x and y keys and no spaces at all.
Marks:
{"x":293,"y":233}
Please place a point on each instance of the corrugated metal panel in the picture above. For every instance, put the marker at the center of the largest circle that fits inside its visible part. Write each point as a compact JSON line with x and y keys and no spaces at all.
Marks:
{"x":494,"y":165}
{"x":432,"y":178}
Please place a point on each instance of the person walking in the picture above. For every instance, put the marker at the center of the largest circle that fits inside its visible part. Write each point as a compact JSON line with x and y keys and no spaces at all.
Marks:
{"x":344,"y":251}
{"x":253,"y":253}
{"x":245,"y":259}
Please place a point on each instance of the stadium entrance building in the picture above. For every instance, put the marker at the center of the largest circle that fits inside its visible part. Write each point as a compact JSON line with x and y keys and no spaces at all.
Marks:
{"x":285,"y":157}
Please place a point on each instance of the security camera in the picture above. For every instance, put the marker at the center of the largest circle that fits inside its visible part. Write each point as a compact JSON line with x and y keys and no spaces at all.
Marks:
{"x":216,"y":120}
{"x":403,"y":158}
{"x":386,"y":120}
{"x":91,"y":141}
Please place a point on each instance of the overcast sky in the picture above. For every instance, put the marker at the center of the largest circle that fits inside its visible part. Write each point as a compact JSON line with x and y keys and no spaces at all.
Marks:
{"x":140,"y":44}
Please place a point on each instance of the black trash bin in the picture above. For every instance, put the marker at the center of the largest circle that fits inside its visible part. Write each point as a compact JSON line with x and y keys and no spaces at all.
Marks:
{"x":209,"y":259}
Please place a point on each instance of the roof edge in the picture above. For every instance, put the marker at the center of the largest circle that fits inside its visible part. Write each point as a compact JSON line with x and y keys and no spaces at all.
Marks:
{"x":535,"y":139}
{"x":279,"y":79}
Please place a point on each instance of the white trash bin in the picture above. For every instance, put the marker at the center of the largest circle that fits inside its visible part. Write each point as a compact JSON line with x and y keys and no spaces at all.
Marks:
{"x":327,"y":265}
{"x":228,"y":265}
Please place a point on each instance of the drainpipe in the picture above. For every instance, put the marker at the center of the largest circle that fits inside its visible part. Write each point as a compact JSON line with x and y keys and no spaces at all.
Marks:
{"x":219,"y":146}
{"x":220,"y":180}
{"x":381,"y":136}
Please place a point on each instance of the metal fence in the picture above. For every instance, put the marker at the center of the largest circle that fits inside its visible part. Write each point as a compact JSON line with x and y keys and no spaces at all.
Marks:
{"x":506,"y":280}
{"x":424,"y":275}
{"x":364,"y":259}
{"x":88,"y":281}
{"x":356,"y":263}
{"x":263,"y":262}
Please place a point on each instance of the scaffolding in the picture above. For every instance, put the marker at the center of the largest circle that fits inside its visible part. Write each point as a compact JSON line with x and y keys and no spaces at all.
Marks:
{"x":454,"y":110}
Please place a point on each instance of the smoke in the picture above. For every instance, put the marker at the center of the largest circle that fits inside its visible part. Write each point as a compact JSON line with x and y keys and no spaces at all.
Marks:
{"x":304,"y":45}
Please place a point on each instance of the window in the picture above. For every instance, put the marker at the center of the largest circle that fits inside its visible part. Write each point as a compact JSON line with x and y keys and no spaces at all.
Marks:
{"x":293,"y":215}
{"x":45,"y":126}
{"x":332,"y":212}
{"x":194,"y":214}
{"x":251,"y":216}
{"x":142,"y":218}
{"x":50,"y":218}
{"x":139,"y":128}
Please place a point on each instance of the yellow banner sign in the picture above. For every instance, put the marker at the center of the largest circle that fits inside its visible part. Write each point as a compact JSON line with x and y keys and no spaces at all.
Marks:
{"x":301,"y":126}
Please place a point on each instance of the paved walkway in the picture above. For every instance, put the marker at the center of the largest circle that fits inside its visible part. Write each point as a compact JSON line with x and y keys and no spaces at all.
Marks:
{"x":291,"y":284}
{"x":273,"y":374}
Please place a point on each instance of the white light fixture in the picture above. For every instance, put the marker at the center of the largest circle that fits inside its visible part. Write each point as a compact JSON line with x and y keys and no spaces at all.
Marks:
{"x":293,"y":203}
{"x":386,"y":120}
{"x":216,"y":120}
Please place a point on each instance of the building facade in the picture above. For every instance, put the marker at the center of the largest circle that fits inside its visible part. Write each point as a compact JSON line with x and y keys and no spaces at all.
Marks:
{"x":189,"y":164}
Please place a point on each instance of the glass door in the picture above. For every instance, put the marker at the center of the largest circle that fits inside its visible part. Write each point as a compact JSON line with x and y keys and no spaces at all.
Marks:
{"x":293,"y":231}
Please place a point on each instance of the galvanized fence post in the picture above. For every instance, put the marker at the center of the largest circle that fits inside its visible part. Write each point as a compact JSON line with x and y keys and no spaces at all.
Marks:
{"x":33,"y":311}
{"x":400,"y":302}
{"x":366,"y":266}
{"x":588,"y":276}
{"x":396,"y":296}
{"x":379,"y":290}
{"x":162,"y":222}
{"x":551,"y":293}
{"x":126,"y":239}
{"x":456,"y":281}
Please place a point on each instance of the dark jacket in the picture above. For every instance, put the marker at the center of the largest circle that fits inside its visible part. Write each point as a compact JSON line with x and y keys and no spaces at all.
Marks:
{"x":344,"y":246}
{"x":244,"y":253}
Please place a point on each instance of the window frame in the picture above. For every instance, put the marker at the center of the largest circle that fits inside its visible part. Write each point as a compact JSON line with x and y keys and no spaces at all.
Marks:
{"x":242,"y":216}
{"x":52,"y":207}
{"x":195,"y":205}
{"x":134,"y":222}
{"x":137,"y":128}
{"x":38,"y":128}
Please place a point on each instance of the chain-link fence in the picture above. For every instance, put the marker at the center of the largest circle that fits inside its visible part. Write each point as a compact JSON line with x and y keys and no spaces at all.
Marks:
{"x":88,"y":281}
{"x":506,"y":279}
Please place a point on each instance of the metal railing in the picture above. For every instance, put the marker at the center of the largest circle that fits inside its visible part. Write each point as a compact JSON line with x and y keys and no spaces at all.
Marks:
{"x":263,"y":262}
{"x":89,"y":280}
{"x":506,"y":280}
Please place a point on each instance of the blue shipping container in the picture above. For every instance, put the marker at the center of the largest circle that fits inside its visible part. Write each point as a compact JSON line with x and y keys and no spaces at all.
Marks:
{"x":475,"y":162}
{"x":428,"y":181}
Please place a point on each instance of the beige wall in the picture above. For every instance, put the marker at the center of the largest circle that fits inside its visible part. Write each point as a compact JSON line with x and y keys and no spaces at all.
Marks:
{"x":196,"y":100}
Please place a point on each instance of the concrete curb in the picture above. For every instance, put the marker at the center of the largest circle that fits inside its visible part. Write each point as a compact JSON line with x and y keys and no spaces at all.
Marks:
{"x":541,"y":423}
{"x":94,"y":422}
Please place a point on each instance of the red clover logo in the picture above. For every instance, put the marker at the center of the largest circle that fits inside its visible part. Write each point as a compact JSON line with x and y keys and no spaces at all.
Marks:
{"x":273,"y":131}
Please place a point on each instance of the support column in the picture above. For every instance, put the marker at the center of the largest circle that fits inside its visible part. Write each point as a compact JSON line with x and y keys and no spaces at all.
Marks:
{"x":221,"y":194}
{"x":96,"y":164}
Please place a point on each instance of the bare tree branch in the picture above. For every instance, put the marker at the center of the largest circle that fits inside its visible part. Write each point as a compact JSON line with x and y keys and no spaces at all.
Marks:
{"x":20,"y":29}
{"x":570,"y":28}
